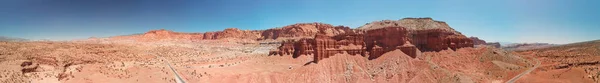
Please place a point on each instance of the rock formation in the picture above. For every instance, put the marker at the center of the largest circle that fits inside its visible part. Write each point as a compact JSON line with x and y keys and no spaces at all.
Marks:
{"x":28,"y":66}
{"x":425,"y":33}
{"x":409,"y":35}
{"x":303,"y":30}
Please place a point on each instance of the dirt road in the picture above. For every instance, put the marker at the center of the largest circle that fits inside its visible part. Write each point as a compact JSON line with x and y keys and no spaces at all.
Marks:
{"x":524,"y":73}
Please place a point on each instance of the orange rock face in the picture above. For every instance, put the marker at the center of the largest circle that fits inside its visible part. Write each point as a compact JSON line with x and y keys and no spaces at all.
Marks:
{"x":379,"y":41}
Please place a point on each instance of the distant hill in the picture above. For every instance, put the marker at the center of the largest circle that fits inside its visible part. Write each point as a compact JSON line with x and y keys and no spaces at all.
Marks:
{"x":12,"y":39}
{"x":526,"y":46}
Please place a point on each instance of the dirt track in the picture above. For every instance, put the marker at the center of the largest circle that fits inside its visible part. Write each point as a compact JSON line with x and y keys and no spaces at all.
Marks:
{"x":525,"y":72}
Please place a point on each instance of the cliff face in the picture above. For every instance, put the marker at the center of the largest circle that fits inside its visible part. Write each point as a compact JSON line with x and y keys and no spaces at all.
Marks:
{"x":425,"y":33}
{"x":374,"y":39}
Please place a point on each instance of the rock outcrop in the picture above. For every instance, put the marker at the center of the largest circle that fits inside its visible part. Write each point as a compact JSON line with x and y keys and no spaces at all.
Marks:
{"x":409,"y":35}
{"x":28,"y":66}
{"x":425,"y":33}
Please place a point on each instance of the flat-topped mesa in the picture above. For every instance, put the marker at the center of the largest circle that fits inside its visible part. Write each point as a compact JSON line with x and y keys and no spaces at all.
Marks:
{"x":410,"y":35}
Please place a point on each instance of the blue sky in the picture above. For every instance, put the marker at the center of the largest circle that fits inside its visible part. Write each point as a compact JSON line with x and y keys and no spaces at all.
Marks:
{"x":551,"y":21}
